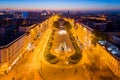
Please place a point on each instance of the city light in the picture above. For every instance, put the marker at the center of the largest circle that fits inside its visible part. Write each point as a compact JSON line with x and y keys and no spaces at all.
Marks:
{"x":60,"y":40}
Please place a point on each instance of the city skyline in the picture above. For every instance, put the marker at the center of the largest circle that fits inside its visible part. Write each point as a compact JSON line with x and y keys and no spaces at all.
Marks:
{"x":60,"y":4}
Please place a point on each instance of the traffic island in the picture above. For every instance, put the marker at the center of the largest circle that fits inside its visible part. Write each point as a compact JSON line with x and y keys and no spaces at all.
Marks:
{"x":62,"y":49}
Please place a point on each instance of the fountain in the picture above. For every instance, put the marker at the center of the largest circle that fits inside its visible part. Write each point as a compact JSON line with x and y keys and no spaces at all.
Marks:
{"x":63,"y":48}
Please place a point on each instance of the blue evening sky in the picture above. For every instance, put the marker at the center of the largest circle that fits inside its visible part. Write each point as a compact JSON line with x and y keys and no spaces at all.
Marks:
{"x":60,"y":4}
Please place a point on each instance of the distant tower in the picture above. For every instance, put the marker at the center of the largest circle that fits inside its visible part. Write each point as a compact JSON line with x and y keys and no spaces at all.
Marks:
{"x":68,"y":12}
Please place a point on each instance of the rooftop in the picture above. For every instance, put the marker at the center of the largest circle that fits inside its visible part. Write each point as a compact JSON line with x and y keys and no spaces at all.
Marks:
{"x":111,"y":48}
{"x":8,"y":26}
{"x":87,"y":27}
{"x":8,"y":39}
{"x":29,"y":25}
{"x":26,"y":25}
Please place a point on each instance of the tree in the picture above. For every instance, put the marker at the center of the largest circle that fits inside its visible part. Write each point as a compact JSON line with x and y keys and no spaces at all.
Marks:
{"x":75,"y":58}
{"x":56,"y":24}
{"x":67,"y":25}
{"x":97,"y":36}
{"x":51,"y":58}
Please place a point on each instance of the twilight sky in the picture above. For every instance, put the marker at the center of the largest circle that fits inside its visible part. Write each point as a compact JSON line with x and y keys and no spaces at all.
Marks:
{"x":60,"y":4}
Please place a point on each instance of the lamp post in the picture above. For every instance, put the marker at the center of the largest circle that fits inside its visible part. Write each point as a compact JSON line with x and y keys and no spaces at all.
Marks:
{"x":75,"y":73}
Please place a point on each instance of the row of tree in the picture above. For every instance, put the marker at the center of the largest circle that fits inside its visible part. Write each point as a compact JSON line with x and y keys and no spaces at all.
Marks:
{"x":66,"y":25}
{"x":97,"y":36}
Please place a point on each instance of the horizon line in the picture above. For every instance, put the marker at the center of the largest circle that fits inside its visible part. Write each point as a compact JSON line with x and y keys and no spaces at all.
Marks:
{"x":57,"y":9}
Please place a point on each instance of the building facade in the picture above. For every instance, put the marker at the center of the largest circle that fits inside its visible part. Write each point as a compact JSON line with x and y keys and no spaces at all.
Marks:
{"x":112,"y":61}
{"x":32,"y":31}
{"x":12,"y":52}
{"x":82,"y":34}
{"x":111,"y":57}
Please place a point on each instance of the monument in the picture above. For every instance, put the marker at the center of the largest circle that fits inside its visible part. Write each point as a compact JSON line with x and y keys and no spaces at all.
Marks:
{"x":62,"y":48}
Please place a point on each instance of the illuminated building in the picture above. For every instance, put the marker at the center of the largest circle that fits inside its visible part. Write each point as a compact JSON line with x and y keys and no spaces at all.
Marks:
{"x":10,"y":53}
{"x":82,"y":34}
{"x":12,"y":50}
{"x":33,"y":31}
{"x":108,"y":52}
{"x":18,"y":15}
